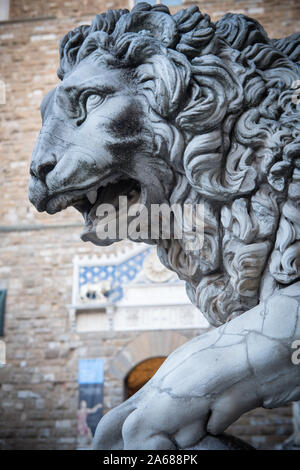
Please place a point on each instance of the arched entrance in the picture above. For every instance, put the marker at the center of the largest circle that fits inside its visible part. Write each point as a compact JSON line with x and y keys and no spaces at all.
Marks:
{"x":152,"y":344}
{"x":140,"y":375}
{"x":139,"y":360}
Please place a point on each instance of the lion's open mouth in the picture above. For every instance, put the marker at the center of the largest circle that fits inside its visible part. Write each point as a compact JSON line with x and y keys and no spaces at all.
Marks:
{"x":88,"y":201}
{"x":108,"y":194}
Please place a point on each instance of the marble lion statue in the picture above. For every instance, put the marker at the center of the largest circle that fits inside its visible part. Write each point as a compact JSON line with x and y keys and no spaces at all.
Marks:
{"x":176,"y":109}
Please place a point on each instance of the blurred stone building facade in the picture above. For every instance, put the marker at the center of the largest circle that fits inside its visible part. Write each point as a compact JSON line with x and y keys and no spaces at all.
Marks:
{"x":51,"y":320}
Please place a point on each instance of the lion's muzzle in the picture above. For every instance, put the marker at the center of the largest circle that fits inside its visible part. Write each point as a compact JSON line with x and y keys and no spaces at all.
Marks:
{"x":43,"y":161}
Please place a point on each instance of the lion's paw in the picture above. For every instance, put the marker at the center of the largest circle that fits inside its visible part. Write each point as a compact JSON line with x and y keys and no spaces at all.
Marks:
{"x":198,"y":390}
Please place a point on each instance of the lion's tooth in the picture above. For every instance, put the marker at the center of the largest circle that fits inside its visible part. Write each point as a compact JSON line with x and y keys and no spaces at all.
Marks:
{"x":92,"y":196}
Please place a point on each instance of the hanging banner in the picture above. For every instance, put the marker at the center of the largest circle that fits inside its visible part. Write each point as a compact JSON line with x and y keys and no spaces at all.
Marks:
{"x":90,"y":380}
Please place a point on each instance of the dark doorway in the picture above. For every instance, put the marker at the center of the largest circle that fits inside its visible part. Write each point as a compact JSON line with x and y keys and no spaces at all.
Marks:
{"x":140,"y":375}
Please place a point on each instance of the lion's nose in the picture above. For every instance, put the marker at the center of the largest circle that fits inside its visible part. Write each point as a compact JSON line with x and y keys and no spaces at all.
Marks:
{"x":41,"y":168}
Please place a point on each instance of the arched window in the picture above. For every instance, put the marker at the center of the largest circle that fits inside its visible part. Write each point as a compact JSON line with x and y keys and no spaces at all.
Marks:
{"x":140,"y":375}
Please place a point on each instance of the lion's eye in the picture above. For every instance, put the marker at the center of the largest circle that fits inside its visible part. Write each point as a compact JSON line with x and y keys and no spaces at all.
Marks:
{"x":93,"y":101}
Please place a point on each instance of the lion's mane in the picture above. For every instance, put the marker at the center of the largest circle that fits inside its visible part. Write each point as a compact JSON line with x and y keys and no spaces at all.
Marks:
{"x":222,"y":113}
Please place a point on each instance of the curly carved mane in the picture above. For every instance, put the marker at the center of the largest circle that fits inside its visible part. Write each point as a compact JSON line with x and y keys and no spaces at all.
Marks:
{"x":222,"y":111}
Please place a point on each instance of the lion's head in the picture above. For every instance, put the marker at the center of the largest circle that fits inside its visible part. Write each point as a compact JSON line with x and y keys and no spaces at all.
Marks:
{"x":176,"y":109}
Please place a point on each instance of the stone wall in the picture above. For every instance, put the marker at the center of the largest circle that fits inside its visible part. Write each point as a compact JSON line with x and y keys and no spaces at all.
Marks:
{"x":279,"y":17}
{"x":38,"y":386}
{"x":21,"y":9}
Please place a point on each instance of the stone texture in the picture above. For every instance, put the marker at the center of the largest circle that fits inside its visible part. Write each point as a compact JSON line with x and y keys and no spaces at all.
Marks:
{"x":36,"y":304}
{"x":220,"y":151}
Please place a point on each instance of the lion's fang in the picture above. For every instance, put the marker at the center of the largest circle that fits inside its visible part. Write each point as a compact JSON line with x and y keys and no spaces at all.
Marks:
{"x":92,"y":196}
